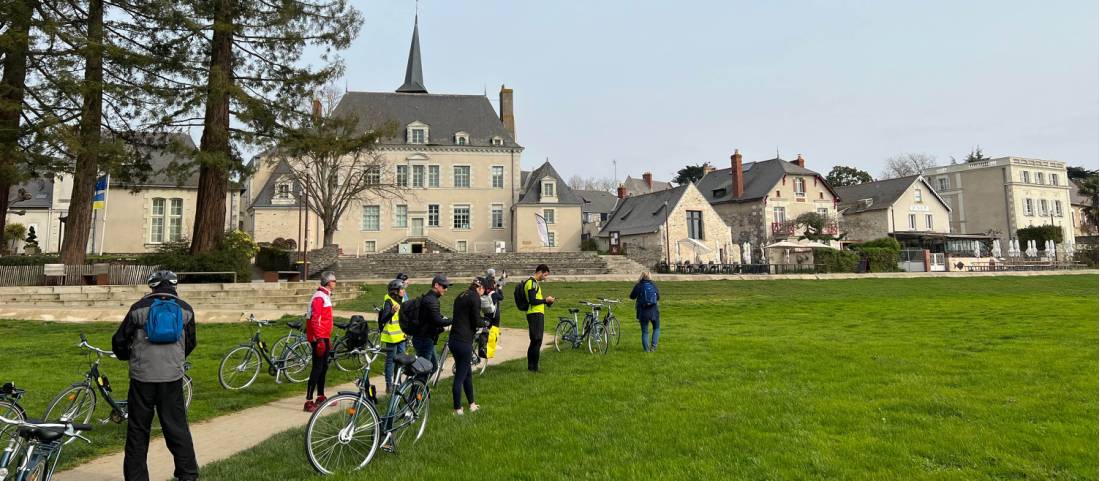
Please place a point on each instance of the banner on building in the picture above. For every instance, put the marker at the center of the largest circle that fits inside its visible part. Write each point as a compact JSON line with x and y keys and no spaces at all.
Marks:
{"x":100,"y":199}
{"x":544,"y":234}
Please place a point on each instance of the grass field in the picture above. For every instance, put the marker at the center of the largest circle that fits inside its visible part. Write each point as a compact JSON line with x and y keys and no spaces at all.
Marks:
{"x":970,"y":378}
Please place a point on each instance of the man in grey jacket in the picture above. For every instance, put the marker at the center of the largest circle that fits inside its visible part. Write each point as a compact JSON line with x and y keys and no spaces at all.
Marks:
{"x":156,"y":383}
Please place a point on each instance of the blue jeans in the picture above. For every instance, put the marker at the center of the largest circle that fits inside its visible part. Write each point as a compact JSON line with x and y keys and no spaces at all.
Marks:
{"x":646,"y":342}
{"x":425,"y":348}
{"x":392,"y":351}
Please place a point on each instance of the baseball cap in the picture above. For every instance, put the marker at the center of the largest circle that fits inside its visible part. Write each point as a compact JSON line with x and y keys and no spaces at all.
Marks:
{"x":441,"y":280}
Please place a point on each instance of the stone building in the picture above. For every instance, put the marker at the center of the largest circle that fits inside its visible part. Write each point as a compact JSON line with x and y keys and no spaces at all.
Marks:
{"x":695,"y":232}
{"x":598,"y":205}
{"x":882,"y":208}
{"x":1083,"y":228}
{"x":760,"y":200}
{"x":644,"y":185}
{"x":546,"y":194}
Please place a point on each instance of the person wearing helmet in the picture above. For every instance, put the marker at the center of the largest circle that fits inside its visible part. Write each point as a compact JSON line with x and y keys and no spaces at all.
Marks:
{"x":319,"y":335}
{"x":393,"y":339}
{"x":156,"y":375}
{"x":404,"y":278}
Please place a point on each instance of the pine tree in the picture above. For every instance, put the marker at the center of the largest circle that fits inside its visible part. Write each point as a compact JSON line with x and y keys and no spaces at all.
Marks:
{"x":15,"y":43}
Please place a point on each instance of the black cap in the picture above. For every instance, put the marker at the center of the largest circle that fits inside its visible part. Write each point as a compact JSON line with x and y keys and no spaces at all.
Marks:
{"x":441,"y":280}
{"x":402,"y":276}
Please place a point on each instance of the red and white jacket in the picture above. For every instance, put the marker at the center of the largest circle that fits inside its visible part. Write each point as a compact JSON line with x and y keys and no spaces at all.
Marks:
{"x":319,"y":325}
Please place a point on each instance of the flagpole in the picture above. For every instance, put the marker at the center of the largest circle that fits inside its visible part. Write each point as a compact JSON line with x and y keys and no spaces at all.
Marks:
{"x":103,"y":231}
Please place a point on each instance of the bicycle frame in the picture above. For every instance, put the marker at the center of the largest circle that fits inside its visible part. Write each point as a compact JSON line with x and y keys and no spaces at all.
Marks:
{"x":38,"y":452}
{"x":6,"y":455}
{"x":367,"y":393}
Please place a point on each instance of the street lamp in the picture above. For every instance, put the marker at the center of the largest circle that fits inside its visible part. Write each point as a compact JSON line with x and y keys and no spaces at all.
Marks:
{"x":668,"y":246}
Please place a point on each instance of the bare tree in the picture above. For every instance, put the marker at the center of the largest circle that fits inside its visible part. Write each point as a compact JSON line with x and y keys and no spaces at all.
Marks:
{"x":902,"y":165}
{"x":334,"y":163}
{"x":606,"y":184}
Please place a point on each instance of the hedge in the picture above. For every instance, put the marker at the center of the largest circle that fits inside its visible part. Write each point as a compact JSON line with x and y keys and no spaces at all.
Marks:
{"x":882,"y":242}
{"x":1040,"y":234}
{"x":41,"y":259}
{"x":271,"y":258}
{"x":832,"y":260}
{"x":233,"y":253}
{"x":881,"y":259}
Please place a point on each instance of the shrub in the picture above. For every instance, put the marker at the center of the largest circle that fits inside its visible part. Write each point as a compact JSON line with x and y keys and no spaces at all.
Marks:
{"x":14,"y":233}
{"x":40,"y":259}
{"x":881,"y":259}
{"x":1086,"y":254}
{"x":233,"y":253}
{"x":590,"y":244}
{"x":1039,"y":234}
{"x":273,"y":258}
{"x":831,"y":260}
{"x":882,"y":242}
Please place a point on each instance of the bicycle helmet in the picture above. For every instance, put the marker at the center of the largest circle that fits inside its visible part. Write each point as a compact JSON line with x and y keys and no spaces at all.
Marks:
{"x":395,"y":285}
{"x":327,"y":277}
{"x":162,"y":277}
{"x":401,"y":276}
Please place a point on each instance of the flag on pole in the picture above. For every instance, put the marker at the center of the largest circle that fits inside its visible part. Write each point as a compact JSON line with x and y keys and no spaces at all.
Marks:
{"x":544,"y":234}
{"x":100,"y":199}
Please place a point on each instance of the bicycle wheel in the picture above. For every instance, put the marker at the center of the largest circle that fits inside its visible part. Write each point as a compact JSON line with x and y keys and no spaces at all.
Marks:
{"x":597,"y":339}
{"x":348,"y":359}
{"x":442,"y":362}
{"x":8,"y":433}
{"x":374,"y":338}
{"x":187,"y":392}
{"x":239,"y":367}
{"x":39,"y":470}
{"x":279,"y":346}
{"x":342,"y":434}
{"x":409,"y":408}
{"x":296,"y":361}
{"x":613,"y":330}
{"x":563,"y":335}
{"x":75,"y":404}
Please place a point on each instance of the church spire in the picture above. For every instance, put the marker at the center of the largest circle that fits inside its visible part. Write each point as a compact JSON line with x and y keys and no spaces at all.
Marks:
{"x":414,"y":74}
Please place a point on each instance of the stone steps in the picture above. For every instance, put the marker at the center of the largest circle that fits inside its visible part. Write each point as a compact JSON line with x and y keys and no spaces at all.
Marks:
{"x":467,"y":265}
{"x":257,"y":296}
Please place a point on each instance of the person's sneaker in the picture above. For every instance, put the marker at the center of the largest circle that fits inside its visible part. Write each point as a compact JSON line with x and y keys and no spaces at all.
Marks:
{"x":320,"y":400}
{"x":309,"y":407}
{"x":474,"y":407}
{"x":653,"y":348}
{"x":458,"y":412}
{"x":389,"y":387}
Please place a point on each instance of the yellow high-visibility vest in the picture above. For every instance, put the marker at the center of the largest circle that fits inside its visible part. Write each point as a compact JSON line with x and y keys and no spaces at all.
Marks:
{"x":535,"y":308}
{"x":391,"y":331}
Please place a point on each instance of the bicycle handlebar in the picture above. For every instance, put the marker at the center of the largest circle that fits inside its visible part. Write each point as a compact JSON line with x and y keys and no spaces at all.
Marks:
{"x":261,"y":322}
{"x":610,"y":301}
{"x":68,"y":429}
{"x":84,"y":344}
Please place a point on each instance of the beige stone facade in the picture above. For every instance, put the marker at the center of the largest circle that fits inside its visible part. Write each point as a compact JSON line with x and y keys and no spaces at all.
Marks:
{"x":1002,"y":195}
{"x":564,"y":232}
{"x":913,"y":207}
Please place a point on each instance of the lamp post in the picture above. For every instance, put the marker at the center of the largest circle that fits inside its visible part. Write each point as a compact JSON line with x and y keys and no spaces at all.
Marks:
{"x":668,"y":246}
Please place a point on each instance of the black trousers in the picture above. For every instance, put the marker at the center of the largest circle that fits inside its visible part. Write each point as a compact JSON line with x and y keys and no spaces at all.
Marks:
{"x":317,"y":375}
{"x":166,"y":399}
{"x":536,"y":324}
{"x":463,"y":353}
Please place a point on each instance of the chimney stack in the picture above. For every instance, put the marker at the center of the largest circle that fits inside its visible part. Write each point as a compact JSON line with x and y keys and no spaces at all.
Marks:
{"x":507,"y":117}
{"x":738,"y":174}
{"x":622,"y":191}
{"x":707,"y":168}
{"x":800,"y":161}
{"x":648,"y":178}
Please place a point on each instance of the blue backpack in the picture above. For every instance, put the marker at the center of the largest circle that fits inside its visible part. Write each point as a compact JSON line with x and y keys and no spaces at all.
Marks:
{"x":649,"y":294}
{"x":165,"y":322}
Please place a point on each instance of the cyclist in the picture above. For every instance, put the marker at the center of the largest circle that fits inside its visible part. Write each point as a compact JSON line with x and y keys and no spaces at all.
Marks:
{"x":536,"y":311}
{"x":646,"y":298}
{"x":393,"y":339}
{"x":431,"y":321}
{"x":319,"y":335}
{"x":467,"y":321}
{"x":156,"y":379}
{"x":404,"y":278}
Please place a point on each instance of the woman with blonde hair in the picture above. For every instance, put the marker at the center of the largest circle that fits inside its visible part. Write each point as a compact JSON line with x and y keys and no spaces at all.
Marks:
{"x":646,"y":298}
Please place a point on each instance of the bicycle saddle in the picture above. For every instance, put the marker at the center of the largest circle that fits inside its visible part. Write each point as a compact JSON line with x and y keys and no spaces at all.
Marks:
{"x":574,"y":310}
{"x":294,"y":325}
{"x":342,"y":325}
{"x":404,"y":359}
{"x":48,"y":434}
{"x":9,"y":389}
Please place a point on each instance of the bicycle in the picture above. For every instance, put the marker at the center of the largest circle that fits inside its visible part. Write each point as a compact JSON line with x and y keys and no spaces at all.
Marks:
{"x":593,"y":331}
{"x":241,"y":365}
{"x":11,"y":409}
{"x":78,"y":402}
{"x":345,"y":432}
{"x":614,"y":328}
{"x":44,"y":443}
{"x":296,"y":333}
{"x":350,"y":359}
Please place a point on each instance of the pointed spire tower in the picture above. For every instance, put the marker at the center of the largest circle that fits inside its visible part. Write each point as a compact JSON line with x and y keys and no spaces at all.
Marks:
{"x":414,"y":74}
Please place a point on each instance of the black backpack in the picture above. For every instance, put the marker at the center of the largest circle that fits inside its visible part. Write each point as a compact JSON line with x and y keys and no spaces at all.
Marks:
{"x":520,"y":294}
{"x":358,"y":333}
{"x":410,"y":317}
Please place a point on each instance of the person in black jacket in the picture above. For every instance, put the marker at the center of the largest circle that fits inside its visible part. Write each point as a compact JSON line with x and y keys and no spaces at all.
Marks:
{"x":156,"y":383}
{"x":431,"y":320}
{"x":467,"y":320}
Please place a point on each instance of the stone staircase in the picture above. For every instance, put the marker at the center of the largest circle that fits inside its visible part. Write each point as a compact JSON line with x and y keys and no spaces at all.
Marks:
{"x":386,"y":266}
{"x":623,"y":265}
{"x":283,"y":296}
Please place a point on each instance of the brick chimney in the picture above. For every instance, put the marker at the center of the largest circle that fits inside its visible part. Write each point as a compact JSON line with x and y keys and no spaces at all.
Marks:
{"x":800,"y":161}
{"x":738,"y":174}
{"x":648,"y":178}
{"x":507,"y":117}
{"x":622,"y":191}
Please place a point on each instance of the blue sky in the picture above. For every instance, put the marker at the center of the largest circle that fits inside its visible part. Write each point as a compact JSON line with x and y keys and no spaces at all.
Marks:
{"x":658,"y":85}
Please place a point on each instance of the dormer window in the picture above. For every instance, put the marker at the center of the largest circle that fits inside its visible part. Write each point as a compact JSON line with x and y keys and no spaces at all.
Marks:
{"x":548,"y":188}
{"x":498,"y":141}
{"x":718,"y":193}
{"x":282,"y":191}
{"x":417,"y":133}
{"x":462,"y":138}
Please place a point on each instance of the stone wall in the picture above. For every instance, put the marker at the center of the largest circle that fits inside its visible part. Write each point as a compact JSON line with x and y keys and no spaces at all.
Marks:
{"x":323,"y":259}
{"x":747,"y":223}
{"x":645,"y":249}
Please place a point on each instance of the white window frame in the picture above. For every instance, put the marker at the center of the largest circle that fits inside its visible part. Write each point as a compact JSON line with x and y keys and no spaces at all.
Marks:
{"x":175,"y":220}
{"x":157,"y":234}
{"x":377,"y":216}
{"x":1054,"y":180}
{"x":1025,"y":177}
{"x":779,"y":214}
{"x":551,"y":238}
{"x":401,"y":170}
{"x":496,"y":213}
{"x":411,"y":133}
{"x":944,"y":182}
{"x":799,"y":187}
{"x":1029,"y":207}
{"x":928,"y":222}
{"x":823,"y":212}
{"x":462,"y":138}
{"x":1058,"y":208}
{"x":462,"y":245}
{"x":1044,"y":207}
{"x":454,"y":217}
{"x":280,"y":195}
{"x":495,"y":176}
{"x":469,"y":176}
{"x":688,"y":219}
{"x":373,"y":174}
{"x":401,"y":216}
{"x":918,"y":196}
{"x":549,"y":188}
{"x":498,"y":141}
{"x":912,"y":221}
{"x":370,"y":246}
{"x":433,"y":176}
{"x":437,"y":214}
{"x":421,"y":170}
{"x":550,"y":215}
{"x":1040,"y":178}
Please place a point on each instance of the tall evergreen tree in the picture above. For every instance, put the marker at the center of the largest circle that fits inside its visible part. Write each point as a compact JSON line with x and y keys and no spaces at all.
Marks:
{"x":15,"y":44}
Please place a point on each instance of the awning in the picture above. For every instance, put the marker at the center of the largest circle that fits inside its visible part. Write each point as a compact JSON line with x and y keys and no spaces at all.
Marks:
{"x":695,"y":244}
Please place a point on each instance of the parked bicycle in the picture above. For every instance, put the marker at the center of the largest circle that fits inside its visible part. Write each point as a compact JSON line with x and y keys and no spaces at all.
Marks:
{"x":241,"y":365}
{"x":347,"y":359}
{"x":78,"y":402}
{"x":10,"y":409}
{"x":351,"y":354}
{"x":614,"y":328}
{"x":573,"y":333}
{"x":297,"y":333}
{"x":43,"y":441}
{"x":346,"y":431}
{"x":477,"y":363}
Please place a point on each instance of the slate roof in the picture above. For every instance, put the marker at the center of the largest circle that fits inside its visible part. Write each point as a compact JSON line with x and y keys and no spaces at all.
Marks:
{"x":642,"y":214}
{"x":638,"y":186}
{"x":883,"y":194}
{"x":1075,"y":197}
{"x":444,"y":114}
{"x":760,"y":177}
{"x":597,"y":201}
{"x":40,"y":190}
{"x":532,"y":188}
{"x":267,"y":193}
{"x":166,"y":163}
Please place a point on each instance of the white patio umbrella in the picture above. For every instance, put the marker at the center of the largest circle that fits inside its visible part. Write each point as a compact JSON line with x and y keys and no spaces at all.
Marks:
{"x":1052,"y":250}
{"x":1013,"y":248}
{"x":677,"y":252}
{"x":996,"y":252}
{"x":1068,"y":248}
{"x":1032,"y":248}
{"x":746,"y":253}
{"x":977,"y":248}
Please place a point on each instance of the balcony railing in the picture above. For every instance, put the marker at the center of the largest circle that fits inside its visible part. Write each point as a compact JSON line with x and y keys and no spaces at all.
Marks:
{"x":783,"y":228}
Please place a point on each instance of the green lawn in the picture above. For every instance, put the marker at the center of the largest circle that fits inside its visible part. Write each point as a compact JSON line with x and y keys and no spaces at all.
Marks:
{"x":42,"y":358}
{"x":966,"y":378}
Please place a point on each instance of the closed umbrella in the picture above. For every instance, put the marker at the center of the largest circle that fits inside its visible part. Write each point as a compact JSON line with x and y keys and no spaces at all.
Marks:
{"x":746,"y":253}
{"x":977,"y":249}
{"x":996,"y":248}
{"x":1014,"y":248}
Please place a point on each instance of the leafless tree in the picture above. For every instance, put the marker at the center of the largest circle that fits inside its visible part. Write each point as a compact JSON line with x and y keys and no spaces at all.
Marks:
{"x":902,"y":165}
{"x":335,"y":163}
{"x":606,"y":184}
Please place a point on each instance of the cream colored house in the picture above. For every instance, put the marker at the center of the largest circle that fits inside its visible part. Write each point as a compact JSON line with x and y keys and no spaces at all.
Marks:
{"x":1082,"y":226}
{"x":760,"y":200}
{"x":137,"y":217}
{"x":999,"y":196}
{"x":672,"y":225}
{"x":545,"y":194}
{"x":882,"y":208}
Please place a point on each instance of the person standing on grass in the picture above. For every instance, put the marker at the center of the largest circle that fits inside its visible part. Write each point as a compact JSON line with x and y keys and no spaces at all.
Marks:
{"x":156,"y":336}
{"x":467,"y":320}
{"x":431,"y":320}
{"x":646,"y":297}
{"x":393,"y":339}
{"x":319,"y":335}
{"x":536,"y":314}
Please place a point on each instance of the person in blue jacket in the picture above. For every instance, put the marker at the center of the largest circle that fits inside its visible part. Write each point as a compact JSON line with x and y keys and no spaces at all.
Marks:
{"x":646,"y":297}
